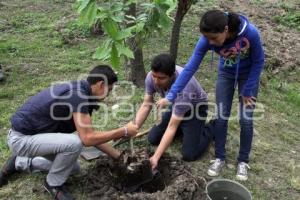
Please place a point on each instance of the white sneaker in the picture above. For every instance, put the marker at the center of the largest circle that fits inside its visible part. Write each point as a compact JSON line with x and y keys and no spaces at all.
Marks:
{"x":216,"y":167}
{"x":242,"y":171}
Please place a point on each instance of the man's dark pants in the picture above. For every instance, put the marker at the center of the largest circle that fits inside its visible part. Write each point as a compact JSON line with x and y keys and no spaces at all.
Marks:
{"x":195,"y":139}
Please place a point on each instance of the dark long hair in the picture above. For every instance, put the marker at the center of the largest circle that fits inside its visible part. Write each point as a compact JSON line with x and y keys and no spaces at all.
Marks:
{"x":214,"y":21}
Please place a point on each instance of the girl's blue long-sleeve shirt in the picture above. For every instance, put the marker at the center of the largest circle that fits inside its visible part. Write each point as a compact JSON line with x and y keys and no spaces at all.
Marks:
{"x":244,"y":55}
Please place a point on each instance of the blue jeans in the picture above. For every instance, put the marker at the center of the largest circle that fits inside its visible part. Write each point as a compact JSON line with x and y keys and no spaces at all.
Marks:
{"x":195,"y":139}
{"x":224,"y":97}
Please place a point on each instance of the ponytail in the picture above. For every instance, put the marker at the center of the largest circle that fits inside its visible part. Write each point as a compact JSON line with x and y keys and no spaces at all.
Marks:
{"x":233,"y":23}
{"x":214,"y":21}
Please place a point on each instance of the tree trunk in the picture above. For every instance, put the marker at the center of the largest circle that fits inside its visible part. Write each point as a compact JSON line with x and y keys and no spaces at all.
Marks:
{"x":136,"y":70}
{"x":136,"y":67}
{"x":175,"y":35}
{"x":182,"y":9}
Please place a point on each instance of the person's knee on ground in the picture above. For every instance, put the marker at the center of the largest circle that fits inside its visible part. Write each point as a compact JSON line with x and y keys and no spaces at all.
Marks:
{"x":196,"y":153}
{"x":153,"y":140}
{"x":209,"y":129}
{"x":153,"y":137}
{"x":191,"y":154}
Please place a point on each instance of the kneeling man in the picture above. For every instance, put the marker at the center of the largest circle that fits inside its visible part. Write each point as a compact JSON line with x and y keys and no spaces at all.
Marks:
{"x":186,"y":115}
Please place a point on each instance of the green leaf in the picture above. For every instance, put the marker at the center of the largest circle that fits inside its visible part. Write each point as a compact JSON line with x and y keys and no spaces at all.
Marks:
{"x":124,"y":34}
{"x":111,"y":28}
{"x":142,"y":17}
{"x":139,"y":27}
{"x":83,"y":5}
{"x":130,"y":17}
{"x":148,"y":6}
{"x":172,"y":4}
{"x":103,"y":51}
{"x":114,"y":58}
{"x":128,"y":2}
{"x":164,"y":21}
{"x":88,"y":14}
{"x":116,"y":7}
{"x":118,"y":19}
{"x":102,"y":14}
{"x":123,"y":50}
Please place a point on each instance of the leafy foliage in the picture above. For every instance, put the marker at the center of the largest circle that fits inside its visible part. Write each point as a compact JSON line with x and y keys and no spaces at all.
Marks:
{"x":119,"y":26}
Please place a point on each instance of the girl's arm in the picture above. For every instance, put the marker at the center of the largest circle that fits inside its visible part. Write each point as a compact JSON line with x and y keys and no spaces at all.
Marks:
{"x":190,"y":68}
{"x":257,"y":58}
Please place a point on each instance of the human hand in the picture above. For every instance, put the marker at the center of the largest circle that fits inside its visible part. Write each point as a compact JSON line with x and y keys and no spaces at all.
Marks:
{"x":132,"y":129}
{"x":153,"y":162}
{"x":162,"y":103}
{"x":249,"y":101}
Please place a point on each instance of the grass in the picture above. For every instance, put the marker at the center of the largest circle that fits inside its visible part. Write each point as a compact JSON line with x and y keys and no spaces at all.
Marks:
{"x":288,"y":15}
{"x":291,"y":18}
{"x":41,"y":43}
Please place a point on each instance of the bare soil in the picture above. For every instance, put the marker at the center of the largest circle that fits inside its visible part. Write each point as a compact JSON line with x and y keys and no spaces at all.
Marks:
{"x":107,"y":179}
{"x":282,"y":44}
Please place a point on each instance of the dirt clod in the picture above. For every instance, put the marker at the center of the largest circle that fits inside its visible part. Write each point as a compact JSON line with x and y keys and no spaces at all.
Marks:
{"x":108,"y":178}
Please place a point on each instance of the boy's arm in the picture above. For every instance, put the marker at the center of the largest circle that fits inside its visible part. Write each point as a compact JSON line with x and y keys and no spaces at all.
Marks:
{"x":166,"y":140}
{"x":109,"y":150}
{"x":90,"y":137}
{"x":144,"y":110}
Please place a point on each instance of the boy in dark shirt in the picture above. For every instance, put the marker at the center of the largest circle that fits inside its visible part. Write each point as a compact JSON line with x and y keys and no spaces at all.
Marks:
{"x":41,"y":136}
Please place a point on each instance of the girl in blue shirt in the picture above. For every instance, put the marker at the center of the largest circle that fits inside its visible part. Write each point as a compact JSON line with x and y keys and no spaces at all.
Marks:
{"x":240,"y":64}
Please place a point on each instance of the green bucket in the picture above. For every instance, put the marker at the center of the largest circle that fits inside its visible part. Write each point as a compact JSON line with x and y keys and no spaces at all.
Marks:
{"x":225,"y":189}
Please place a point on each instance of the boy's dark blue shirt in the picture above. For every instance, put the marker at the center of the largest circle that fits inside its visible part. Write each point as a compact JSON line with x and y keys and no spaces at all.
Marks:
{"x":51,"y":110}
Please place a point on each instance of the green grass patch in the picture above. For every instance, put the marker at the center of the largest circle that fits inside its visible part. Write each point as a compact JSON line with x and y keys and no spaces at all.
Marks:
{"x":290,"y":19}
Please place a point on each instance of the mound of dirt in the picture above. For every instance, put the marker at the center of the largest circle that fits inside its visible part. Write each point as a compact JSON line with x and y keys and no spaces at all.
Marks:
{"x":281,"y":46}
{"x":133,"y":173}
{"x":174,"y":180}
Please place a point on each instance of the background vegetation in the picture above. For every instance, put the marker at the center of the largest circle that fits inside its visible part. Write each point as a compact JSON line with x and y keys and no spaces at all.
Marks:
{"x":42,"y":43}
